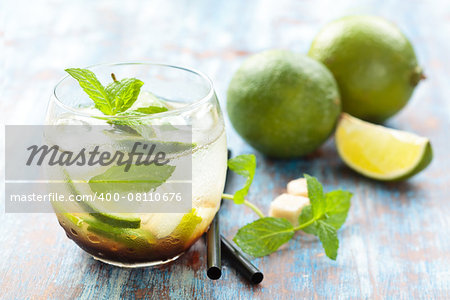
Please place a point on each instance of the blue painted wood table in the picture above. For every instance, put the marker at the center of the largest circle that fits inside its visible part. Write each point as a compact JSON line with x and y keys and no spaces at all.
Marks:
{"x":395,"y":243}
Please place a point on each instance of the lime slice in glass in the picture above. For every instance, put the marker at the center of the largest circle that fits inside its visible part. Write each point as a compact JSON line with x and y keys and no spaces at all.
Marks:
{"x":99,"y":209}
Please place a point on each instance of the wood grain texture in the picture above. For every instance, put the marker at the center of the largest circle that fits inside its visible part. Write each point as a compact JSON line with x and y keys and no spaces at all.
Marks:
{"x":395,"y":243}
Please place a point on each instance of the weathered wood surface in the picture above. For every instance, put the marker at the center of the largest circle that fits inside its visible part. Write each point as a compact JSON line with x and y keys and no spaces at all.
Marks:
{"x":395,"y":243}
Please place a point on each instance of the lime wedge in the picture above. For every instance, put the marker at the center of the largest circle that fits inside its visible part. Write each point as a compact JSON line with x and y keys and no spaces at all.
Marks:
{"x":381,"y":153}
{"x":126,"y":236}
{"x":99,"y":209}
{"x":187,"y":225}
{"x":123,"y":220}
{"x":177,"y":225}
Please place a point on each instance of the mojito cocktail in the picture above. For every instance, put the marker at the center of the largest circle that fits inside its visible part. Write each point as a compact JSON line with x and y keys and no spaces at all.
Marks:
{"x":174,"y":112}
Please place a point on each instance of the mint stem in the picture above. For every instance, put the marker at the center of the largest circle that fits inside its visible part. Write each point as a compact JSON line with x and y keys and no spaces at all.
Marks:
{"x":261,"y":215}
{"x":113,"y":76}
{"x":227,"y":196}
{"x":246,"y":203}
{"x":306,"y":224}
{"x":254,"y":208}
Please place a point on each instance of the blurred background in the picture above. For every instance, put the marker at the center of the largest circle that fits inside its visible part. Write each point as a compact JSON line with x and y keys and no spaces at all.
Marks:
{"x":40,"y":38}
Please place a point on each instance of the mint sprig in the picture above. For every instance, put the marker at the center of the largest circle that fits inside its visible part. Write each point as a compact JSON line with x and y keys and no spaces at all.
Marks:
{"x":322,"y":218}
{"x":325,"y":221}
{"x":116,"y":99}
{"x":113,"y":99}
{"x":95,"y":90}
{"x":244,"y":165}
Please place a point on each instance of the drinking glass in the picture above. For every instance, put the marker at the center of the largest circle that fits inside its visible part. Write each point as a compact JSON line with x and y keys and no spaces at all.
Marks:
{"x":142,"y":238}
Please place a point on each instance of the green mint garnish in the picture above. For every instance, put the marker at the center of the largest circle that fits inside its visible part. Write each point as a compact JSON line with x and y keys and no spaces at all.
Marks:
{"x":124,"y":93}
{"x":326,"y":214}
{"x":116,"y":98}
{"x":327,"y":235}
{"x":138,"y":179}
{"x":322,"y":218}
{"x":337,"y":206}
{"x":245,"y":166}
{"x":151,"y":110}
{"x":137,"y":125}
{"x":95,"y":90}
{"x":134,"y":126}
{"x":264,"y":236}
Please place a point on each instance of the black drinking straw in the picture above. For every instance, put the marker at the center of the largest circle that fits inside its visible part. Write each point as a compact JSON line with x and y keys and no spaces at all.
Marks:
{"x":214,"y":270}
{"x":234,"y":255}
{"x":240,"y":262}
{"x":215,"y":242}
{"x":214,"y":259}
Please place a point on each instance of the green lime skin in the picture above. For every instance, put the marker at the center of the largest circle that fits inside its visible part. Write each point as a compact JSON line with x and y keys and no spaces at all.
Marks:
{"x":373,"y":62}
{"x":283,"y":104}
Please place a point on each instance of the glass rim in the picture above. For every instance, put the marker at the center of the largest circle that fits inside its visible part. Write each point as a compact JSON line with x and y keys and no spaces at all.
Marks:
{"x":192,"y":105}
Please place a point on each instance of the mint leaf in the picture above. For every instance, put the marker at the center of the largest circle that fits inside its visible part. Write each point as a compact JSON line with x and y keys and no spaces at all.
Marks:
{"x":336,"y":210}
{"x":95,"y":90}
{"x":152,"y":109}
{"x":325,"y":231}
{"x":338,"y":205}
{"x":138,"y":126}
{"x":328,"y":237}
{"x":138,"y":179}
{"x":133,"y":125}
{"x":117,"y":97}
{"x":306,"y":216}
{"x":245,"y":166}
{"x":123,"y":93}
{"x":326,"y":214}
{"x":316,"y":196}
{"x":264,"y":236}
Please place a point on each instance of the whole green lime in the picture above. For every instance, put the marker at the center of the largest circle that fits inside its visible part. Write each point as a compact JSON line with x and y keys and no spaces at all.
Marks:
{"x":283,"y":104}
{"x":373,"y":62}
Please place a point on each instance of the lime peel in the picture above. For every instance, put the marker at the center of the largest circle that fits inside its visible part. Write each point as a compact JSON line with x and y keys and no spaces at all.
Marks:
{"x":381,"y":153}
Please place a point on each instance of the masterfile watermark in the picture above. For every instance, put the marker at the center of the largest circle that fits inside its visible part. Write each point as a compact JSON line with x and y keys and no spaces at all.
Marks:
{"x":97,"y":169}
{"x":147,"y":156}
